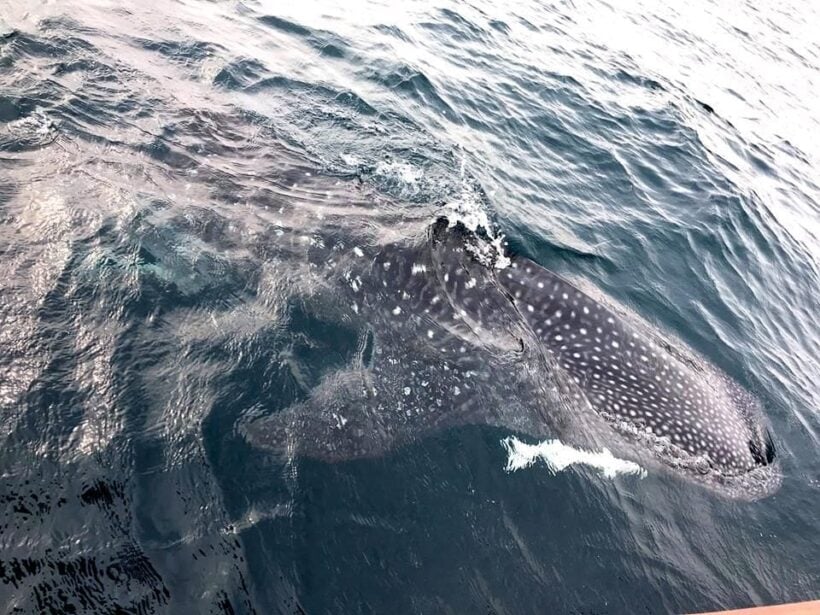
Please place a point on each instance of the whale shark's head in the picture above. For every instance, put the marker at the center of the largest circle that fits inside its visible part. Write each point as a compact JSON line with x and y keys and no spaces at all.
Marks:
{"x":652,"y":389}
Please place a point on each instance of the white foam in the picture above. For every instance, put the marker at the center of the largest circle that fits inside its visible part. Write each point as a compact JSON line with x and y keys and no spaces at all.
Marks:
{"x":37,"y":122}
{"x":468,"y":209}
{"x":558,"y":456}
{"x":402,"y":175}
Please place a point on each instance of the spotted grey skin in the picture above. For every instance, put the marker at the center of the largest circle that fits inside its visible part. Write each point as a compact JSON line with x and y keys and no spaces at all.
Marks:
{"x":628,"y":377}
{"x":441,"y":346}
{"x":450,"y":339}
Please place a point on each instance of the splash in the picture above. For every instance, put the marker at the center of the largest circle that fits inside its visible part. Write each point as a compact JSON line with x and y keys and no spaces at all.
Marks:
{"x":400,"y":179}
{"x":558,"y":456}
{"x":469,"y":210}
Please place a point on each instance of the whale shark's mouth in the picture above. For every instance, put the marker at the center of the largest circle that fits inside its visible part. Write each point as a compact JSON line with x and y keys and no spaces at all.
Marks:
{"x":764,"y":453}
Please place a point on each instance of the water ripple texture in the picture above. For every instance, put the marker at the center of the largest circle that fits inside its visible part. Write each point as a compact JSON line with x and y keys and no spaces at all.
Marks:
{"x":176,"y":182}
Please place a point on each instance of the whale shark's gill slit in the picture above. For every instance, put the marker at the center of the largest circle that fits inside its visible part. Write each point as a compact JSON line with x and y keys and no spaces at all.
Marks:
{"x":366,"y":348}
{"x":674,"y":352}
{"x":509,"y":296}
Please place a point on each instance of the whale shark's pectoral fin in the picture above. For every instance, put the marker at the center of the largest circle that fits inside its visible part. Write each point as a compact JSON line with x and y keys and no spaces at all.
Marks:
{"x":363,"y":412}
{"x":341,"y":419}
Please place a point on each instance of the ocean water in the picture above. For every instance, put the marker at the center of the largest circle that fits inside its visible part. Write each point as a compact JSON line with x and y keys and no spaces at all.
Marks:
{"x":169,"y":172}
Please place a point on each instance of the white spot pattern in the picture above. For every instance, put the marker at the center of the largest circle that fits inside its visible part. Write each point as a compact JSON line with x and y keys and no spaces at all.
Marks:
{"x":701,"y":415}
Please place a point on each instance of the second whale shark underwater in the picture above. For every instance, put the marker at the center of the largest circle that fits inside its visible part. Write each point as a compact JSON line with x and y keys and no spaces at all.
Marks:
{"x":453,"y":332}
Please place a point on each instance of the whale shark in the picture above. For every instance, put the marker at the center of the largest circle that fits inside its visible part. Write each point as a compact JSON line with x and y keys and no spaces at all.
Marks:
{"x":453,"y":332}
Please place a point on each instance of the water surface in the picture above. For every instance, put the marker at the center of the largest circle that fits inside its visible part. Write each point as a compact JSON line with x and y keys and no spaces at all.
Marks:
{"x":165,"y":169}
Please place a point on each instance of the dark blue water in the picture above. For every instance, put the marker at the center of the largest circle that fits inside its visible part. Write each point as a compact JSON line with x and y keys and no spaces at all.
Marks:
{"x":169,"y":173}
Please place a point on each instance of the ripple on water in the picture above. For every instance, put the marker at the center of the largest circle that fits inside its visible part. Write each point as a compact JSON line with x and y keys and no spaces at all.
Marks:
{"x":174,"y":183}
